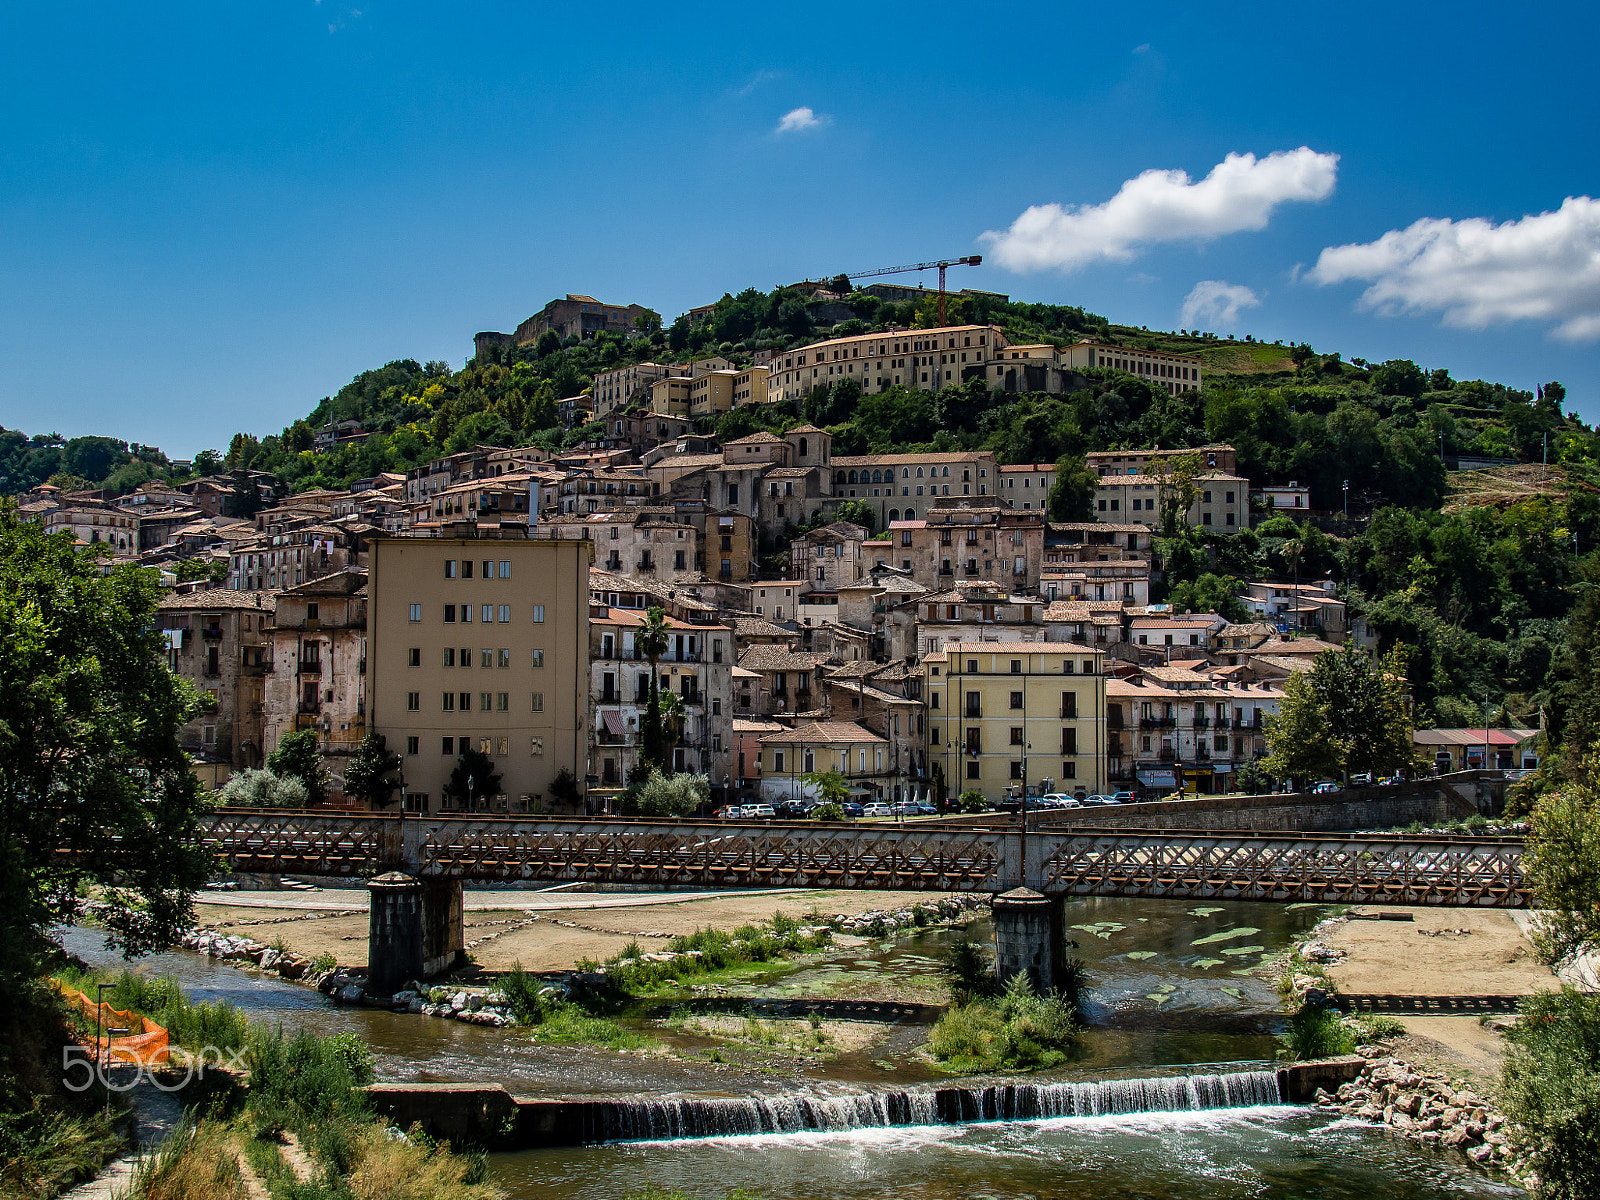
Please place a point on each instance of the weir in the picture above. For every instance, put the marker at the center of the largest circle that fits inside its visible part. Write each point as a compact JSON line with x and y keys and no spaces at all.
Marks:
{"x":491,"y":1116}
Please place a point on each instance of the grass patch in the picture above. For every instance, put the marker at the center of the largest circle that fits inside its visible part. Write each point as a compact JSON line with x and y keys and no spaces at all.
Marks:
{"x":190,"y":1024}
{"x":1018,"y":1030}
{"x":1316,"y":1033}
{"x":568,"y":1024}
{"x":198,"y":1161}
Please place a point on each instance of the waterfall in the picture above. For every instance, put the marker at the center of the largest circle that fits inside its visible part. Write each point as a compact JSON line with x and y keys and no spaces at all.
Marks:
{"x":679,"y":1117}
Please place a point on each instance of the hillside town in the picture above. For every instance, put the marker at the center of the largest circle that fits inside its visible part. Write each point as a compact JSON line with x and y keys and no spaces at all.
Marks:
{"x":945,"y":636}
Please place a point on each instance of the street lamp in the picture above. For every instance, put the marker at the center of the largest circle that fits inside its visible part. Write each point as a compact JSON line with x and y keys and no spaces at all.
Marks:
{"x":1347,"y":498}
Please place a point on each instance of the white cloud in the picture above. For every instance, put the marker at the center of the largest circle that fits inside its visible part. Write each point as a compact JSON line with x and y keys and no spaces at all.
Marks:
{"x":799,"y":120}
{"x":1216,"y":302}
{"x":1164,"y":206}
{"x":1142,"y":48}
{"x":1544,"y":267}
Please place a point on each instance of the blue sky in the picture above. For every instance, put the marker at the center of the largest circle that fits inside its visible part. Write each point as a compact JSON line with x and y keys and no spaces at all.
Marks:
{"x":213,"y":215}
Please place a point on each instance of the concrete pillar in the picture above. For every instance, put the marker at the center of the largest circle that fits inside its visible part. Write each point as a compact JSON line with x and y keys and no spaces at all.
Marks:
{"x":1028,"y":938}
{"x":394,"y":932}
{"x":443,"y":942}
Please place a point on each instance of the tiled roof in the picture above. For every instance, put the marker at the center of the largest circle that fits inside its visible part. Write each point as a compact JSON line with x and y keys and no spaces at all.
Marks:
{"x":824,"y":731}
{"x":779,"y":658}
{"x":759,"y":438}
{"x":217,"y":598}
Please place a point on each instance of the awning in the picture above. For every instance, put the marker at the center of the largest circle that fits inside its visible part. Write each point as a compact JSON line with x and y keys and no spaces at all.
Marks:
{"x":614,"y":723}
{"x":1157,"y":778}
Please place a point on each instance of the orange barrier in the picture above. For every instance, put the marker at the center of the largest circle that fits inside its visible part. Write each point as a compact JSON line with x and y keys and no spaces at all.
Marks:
{"x":145,"y":1043}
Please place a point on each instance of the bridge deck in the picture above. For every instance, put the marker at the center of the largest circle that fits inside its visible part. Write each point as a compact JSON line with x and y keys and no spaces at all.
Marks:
{"x":1290,"y":867}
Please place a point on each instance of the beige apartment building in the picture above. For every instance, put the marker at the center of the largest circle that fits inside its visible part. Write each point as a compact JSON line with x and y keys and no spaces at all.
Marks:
{"x":1026,"y":485}
{"x":1003,"y":714}
{"x":1177,"y":373}
{"x":221,"y":641}
{"x":483,"y":643}
{"x":923,"y":358}
{"x":623,"y":387}
{"x":956,"y":542}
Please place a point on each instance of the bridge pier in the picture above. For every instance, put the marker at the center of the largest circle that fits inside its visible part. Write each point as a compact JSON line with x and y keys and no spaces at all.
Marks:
{"x":414,"y":930}
{"x":1028,"y":938}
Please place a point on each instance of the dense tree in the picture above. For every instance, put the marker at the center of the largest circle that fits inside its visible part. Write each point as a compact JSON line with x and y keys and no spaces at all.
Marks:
{"x":1347,"y":714}
{"x":473,"y":779}
{"x":1072,"y":494}
{"x":650,"y":640}
{"x":299,"y":755}
{"x":263,"y":789}
{"x":368,"y":775}
{"x":95,"y":791}
{"x":831,"y":786}
{"x":663,"y":795}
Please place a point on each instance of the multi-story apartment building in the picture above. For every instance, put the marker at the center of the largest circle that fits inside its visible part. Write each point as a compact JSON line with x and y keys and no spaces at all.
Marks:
{"x":858,"y":754}
{"x":1217,"y":457}
{"x":1002,"y":545}
{"x":1221,"y":501}
{"x":1088,"y":541}
{"x":221,"y":641}
{"x":902,"y":486}
{"x":1004,"y":714}
{"x":966,"y":612}
{"x":1177,"y":373}
{"x":1168,"y":726}
{"x":481,"y":643}
{"x":1087,"y":623}
{"x":696,"y":667}
{"x":643,"y":542}
{"x":317,"y":672}
{"x":1026,"y":485}
{"x":784,"y":682}
{"x":623,"y":387}
{"x":830,"y":557}
{"x":925,"y":358}
{"x":1314,"y":607}
{"x":1123,"y":579}
{"x":91,"y":522}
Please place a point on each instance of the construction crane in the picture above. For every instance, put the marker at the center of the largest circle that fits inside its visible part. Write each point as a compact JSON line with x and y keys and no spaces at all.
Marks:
{"x":970,"y":260}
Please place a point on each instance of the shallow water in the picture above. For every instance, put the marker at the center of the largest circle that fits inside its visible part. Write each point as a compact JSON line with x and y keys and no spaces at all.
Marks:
{"x":1276,"y":1153}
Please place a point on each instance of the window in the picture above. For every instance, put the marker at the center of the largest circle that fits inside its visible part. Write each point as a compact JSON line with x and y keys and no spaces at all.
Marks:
{"x":413,"y":745}
{"x":466,"y":701}
{"x":1069,"y":770}
{"x":502,"y":702}
{"x":413,"y":701}
{"x":502,"y":746}
{"x":1016,"y":735}
{"x":450,"y":568}
{"x":1069,"y":742}
{"x":538,"y":702}
{"x":466,"y":568}
{"x":933,"y":700}
{"x":972,"y":666}
{"x":488,"y":613}
{"x":1016,"y":699}
{"x":448,"y":703}
{"x":485,"y":701}
{"x":503,"y":659}
{"x":1016,"y":666}
{"x":538,"y":659}
{"x":449,"y":656}
{"x":447,"y":746}
{"x":465,"y":658}
{"x":538,"y":614}
{"x":972,"y":769}
{"x":414,"y":656}
{"x":486,"y":659}
{"x":505,"y":570}
{"x":536,"y":747}
{"x":416,"y":612}
{"x":449,"y":614}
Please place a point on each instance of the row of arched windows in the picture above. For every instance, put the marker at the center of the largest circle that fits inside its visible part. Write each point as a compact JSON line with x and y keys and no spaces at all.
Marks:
{"x":883,"y":476}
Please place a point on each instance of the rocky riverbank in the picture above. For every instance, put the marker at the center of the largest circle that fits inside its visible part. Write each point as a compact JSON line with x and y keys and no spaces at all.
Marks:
{"x":1428,"y":1107}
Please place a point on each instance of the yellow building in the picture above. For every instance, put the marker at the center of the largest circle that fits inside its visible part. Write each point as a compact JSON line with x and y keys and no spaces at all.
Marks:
{"x":482,"y":643}
{"x":925,"y":358}
{"x":1003,"y":714}
{"x":670,"y":397}
{"x":1177,"y":373}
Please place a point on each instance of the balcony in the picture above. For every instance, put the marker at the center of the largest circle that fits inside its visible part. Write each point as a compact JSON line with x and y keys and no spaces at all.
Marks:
{"x":264,"y":667}
{"x":970,"y":572}
{"x":946,"y":571}
{"x":645,"y":564}
{"x":1158,"y":722}
{"x":309,"y":666}
{"x":973,"y":713}
{"x":309,"y":708}
{"x":1069,"y":712}
{"x":1202,"y":722}
{"x":211,"y":633}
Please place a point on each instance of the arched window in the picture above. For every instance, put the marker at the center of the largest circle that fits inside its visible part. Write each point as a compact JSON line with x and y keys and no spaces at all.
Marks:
{"x":838,"y":477}
{"x":894,"y":514}
{"x":919,"y":472}
{"x":852,"y":476}
{"x":947,"y":472}
{"x":905,"y":472}
{"x":802,"y":447}
{"x":877,"y":477}
{"x":911,"y":514}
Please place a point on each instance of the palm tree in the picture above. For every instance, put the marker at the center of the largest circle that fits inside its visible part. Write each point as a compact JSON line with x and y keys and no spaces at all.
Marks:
{"x":650,"y":639}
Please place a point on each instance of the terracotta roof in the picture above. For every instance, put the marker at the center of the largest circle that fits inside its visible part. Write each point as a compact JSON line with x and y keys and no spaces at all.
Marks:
{"x":759,"y":438}
{"x":1017,"y":648}
{"x":824,"y":731}
{"x":217,"y":598}
{"x":751,"y":627}
{"x":749,"y":726}
{"x":779,"y":658}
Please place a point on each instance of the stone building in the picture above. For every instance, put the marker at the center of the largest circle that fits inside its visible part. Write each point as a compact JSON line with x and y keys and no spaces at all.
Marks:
{"x":1003,"y":546}
{"x":829,"y":558}
{"x":221,"y":642}
{"x":319,"y":666}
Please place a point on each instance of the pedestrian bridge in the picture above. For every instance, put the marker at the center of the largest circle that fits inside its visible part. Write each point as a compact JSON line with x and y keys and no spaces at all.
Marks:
{"x":1324,"y":868}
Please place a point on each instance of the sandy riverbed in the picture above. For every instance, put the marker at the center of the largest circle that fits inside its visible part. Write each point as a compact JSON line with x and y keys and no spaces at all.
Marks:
{"x":548,"y":943}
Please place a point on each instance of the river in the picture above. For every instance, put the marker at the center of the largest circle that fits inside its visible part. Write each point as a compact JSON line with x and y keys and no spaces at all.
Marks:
{"x":1170,"y":989}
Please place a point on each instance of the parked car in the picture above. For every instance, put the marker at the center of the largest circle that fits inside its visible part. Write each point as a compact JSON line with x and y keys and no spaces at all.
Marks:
{"x":793,"y":808}
{"x":927,"y":810}
{"x":1097,"y":800}
{"x":730,"y":811}
{"x":907,"y":808}
{"x":761,"y":812}
{"x":1124,"y":798}
{"x":1325,"y":786}
{"x":1362,"y":780}
{"x":877,"y":809}
{"x":851,"y":808}
{"x":1052,"y":800}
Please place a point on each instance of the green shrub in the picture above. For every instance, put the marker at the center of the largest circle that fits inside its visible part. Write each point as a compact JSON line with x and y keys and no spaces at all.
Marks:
{"x":828,"y":812}
{"x":972,"y":801}
{"x":1020,"y":1030}
{"x":1550,"y":1089}
{"x":1377,"y":1026}
{"x":971,"y":973}
{"x":1317,"y":1033}
{"x":297,"y":1081}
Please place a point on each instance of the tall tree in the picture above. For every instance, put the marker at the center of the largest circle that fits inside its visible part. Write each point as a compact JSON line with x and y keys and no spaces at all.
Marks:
{"x":1175,"y":477}
{"x":650,"y":639}
{"x":1345,"y":714}
{"x":1072,"y":494}
{"x":367,"y":776}
{"x":95,"y":790}
{"x":299,"y":754}
{"x":473,"y":779}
